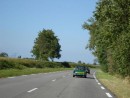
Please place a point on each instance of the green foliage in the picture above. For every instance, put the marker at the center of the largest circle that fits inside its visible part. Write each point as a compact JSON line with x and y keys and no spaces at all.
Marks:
{"x":13,"y":63}
{"x":8,"y":63}
{"x":3,"y":54}
{"x":46,"y":46}
{"x":66,"y":64}
{"x":19,"y":66}
{"x":4,"y":64}
{"x":109,"y":35}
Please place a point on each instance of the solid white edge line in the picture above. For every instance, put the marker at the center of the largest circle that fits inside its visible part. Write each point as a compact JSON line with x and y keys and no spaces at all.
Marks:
{"x":32,"y":90}
{"x":108,"y":95}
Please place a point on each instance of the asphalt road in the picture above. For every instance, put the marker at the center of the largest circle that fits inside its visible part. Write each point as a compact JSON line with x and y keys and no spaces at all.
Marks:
{"x":53,"y":85}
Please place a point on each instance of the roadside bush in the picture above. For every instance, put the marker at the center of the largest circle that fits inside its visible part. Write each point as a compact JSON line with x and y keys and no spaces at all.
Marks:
{"x":26,"y":62}
{"x":12,"y":63}
{"x":72,"y":65}
{"x":4,"y":64}
{"x":53,"y":64}
{"x":19,"y":66}
{"x":66,"y":64}
{"x":39,"y":64}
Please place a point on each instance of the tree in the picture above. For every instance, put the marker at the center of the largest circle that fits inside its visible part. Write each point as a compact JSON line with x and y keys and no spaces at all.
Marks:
{"x":109,"y":30}
{"x":20,"y":57}
{"x":46,"y":46}
{"x":95,"y":61}
{"x":3,"y":54}
{"x":79,"y":62}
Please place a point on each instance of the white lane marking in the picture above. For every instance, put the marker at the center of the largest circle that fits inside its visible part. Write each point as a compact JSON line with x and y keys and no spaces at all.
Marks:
{"x":54,"y":80}
{"x":32,"y":90}
{"x":97,"y":80}
{"x":102,"y":87}
{"x":95,"y":76}
{"x":108,"y":95}
{"x":11,"y":77}
{"x":99,"y":83}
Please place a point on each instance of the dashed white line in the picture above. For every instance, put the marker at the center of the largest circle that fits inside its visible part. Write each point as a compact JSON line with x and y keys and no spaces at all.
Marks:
{"x":108,"y":95}
{"x":32,"y":90}
{"x":94,"y":75}
{"x":102,"y":87}
{"x":54,"y":80}
{"x":99,"y":83}
{"x":96,"y":80}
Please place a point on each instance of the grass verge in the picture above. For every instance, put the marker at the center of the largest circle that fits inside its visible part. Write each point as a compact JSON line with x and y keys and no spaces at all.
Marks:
{"x":17,"y":72}
{"x":120,"y":87}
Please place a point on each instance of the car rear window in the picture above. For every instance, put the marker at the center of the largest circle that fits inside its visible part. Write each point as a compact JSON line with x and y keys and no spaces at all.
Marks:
{"x":80,"y":68}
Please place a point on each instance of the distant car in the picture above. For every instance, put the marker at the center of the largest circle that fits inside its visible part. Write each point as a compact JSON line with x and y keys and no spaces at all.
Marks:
{"x":80,"y":71}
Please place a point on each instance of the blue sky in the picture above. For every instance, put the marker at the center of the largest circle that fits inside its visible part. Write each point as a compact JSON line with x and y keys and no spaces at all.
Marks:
{"x":21,"y":20}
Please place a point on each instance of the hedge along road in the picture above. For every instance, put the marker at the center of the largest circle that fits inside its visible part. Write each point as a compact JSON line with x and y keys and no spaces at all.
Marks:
{"x":52,"y":85}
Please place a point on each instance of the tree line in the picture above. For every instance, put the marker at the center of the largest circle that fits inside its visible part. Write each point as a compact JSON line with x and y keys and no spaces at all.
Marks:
{"x":109,"y":30}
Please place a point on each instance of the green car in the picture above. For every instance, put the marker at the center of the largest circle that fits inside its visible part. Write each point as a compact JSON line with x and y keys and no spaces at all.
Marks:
{"x":80,"y":71}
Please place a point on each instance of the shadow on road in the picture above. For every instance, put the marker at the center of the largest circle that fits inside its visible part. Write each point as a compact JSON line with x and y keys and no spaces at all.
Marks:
{"x":90,"y":78}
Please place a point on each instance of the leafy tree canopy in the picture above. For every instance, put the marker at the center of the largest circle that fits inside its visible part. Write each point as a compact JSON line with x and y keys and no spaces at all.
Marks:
{"x":3,"y":54}
{"x":46,"y":46}
{"x":109,"y":30}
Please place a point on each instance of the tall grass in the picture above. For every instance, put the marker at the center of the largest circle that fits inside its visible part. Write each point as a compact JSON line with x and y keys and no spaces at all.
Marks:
{"x":119,"y":86}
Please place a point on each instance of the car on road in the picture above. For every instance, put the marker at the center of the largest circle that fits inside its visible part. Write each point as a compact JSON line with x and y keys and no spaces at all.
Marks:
{"x":81,"y":71}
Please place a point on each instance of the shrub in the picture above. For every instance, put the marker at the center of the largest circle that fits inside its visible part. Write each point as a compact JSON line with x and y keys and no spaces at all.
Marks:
{"x":66,"y":64}
{"x":4,"y":64}
{"x":19,"y":66}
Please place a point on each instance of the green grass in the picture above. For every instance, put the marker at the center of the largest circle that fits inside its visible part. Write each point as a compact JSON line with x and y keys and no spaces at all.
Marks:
{"x":119,"y":86}
{"x":17,"y":72}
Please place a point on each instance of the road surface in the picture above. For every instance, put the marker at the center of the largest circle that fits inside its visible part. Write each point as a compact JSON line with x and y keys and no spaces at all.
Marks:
{"x":52,"y":85}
